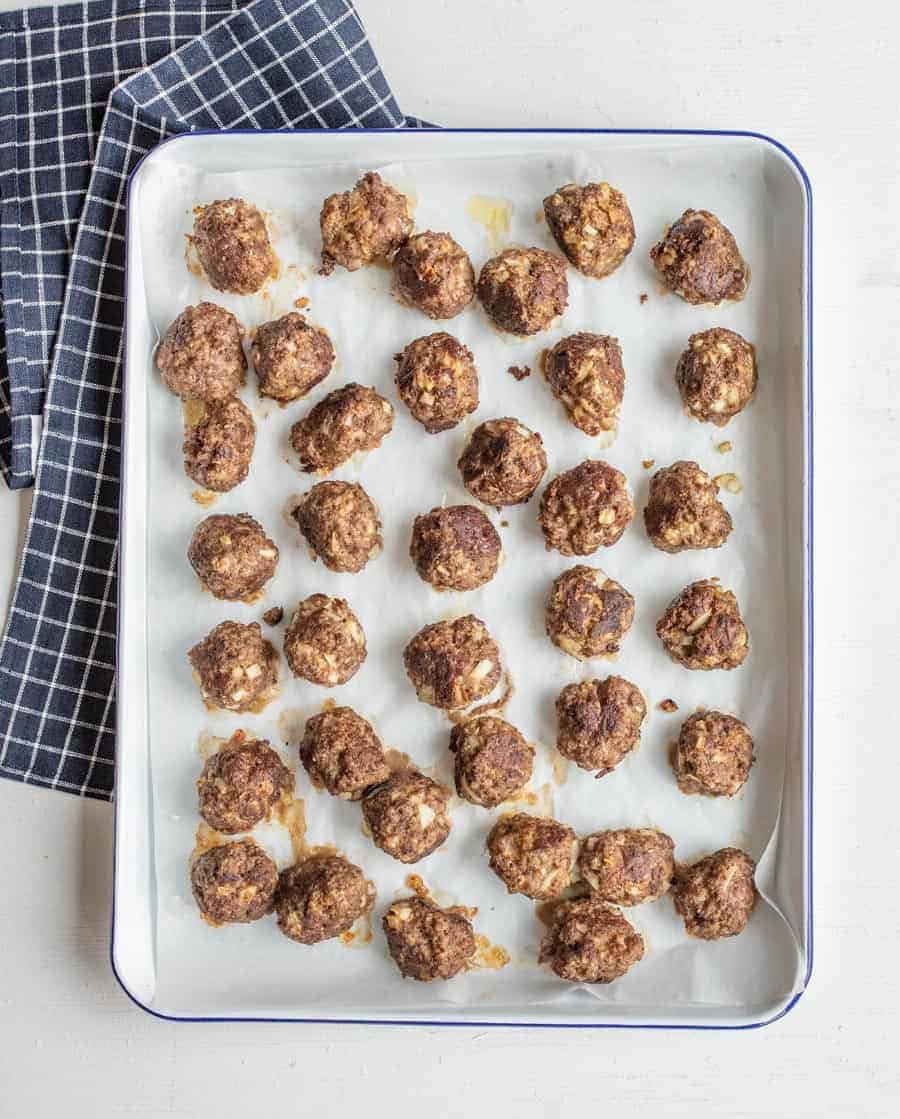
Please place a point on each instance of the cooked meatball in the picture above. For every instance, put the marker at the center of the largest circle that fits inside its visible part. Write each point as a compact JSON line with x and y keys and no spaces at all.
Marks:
{"x":699,"y":260}
{"x":408,"y":816}
{"x":716,"y":375}
{"x":201,"y":356}
{"x":455,"y":548}
{"x":703,"y":628}
{"x":493,"y":762}
{"x":233,"y":246}
{"x":320,"y":897}
{"x":237,"y":669}
{"x":586,"y":375}
{"x":437,"y":380}
{"x":452,"y":664}
{"x":585,"y":508}
{"x":241,"y":783}
{"x":716,"y":895}
{"x":587,"y":613}
{"x":590,"y":942}
{"x":232,"y":555}
{"x":324,"y":642}
{"x":599,"y":722}
{"x":524,"y":290}
{"x":427,"y":942}
{"x":503,"y":462}
{"x":592,"y":225}
{"x":683,"y":510}
{"x":362,"y":225}
{"x":627,"y":866}
{"x":218,"y":444}
{"x":533,"y":855}
{"x":713,"y":754}
{"x":349,"y":420}
{"x":342,"y":753}
{"x":432,"y":272}
{"x":234,"y":883}
{"x":290,"y":357}
{"x":341,"y":525}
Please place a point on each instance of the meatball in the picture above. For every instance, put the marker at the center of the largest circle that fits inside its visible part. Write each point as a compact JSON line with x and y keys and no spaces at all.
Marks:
{"x":241,"y":783}
{"x":433,"y":273}
{"x":683,"y":510}
{"x":713,"y":754}
{"x":503,"y":462}
{"x":234,"y":883}
{"x":427,"y":942}
{"x":437,"y":380}
{"x":455,"y":548}
{"x":218,"y":445}
{"x":627,"y":866}
{"x":699,"y":260}
{"x":324,"y":642}
{"x":232,"y":555}
{"x":587,"y":613}
{"x":237,"y":669}
{"x":342,"y":753}
{"x":533,"y":855}
{"x":493,"y":762}
{"x":585,"y":508}
{"x":702,"y":628}
{"x":362,"y":225}
{"x":320,"y":897}
{"x":716,"y":375}
{"x":592,"y":225}
{"x":523,"y":290}
{"x":347,"y":421}
{"x":599,"y":722}
{"x":341,"y":525}
{"x":453,"y":664}
{"x":201,"y":356}
{"x":590,"y":942}
{"x":408,"y":816}
{"x":233,"y":246}
{"x":716,"y":895}
{"x":290,"y":357}
{"x":586,"y":375}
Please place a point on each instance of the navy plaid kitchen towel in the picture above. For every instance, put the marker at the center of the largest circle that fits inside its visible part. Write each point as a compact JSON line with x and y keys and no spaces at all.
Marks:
{"x":85,"y":91}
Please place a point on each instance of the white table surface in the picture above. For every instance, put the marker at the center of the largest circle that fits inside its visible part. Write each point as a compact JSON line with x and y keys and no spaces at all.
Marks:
{"x":820,"y":75}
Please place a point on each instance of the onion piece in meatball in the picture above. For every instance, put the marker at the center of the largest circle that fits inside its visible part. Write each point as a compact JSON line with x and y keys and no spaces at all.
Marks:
{"x":702,"y":628}
{"x":201,"y":356}
{"x":532,"y":855}
{"x":408,"y":816}
{"x":219,"y":438}
{"x":291,"y":357}
{"x":432,"y":273}
{"x":523,"y":290}
{"x":362,"y":225}
{"x":716,"y":375}
{"x":427,"y":942}
{"x":348,"y":421}
{"x":437,"y":380}
{"x":599,"y":722}
{"x":585,"y":508}
{"x":587,"y":613}
{"x":232,"y":555}
{"x":592,"y":225}
{"x":683,"y":510}
{"x":699,"y":260}
{"x":586,"y":375}
{"x":455,"y":548}
{"x":324,"y":642}
{"x":452,"y":664}
{"x":492,"y":760}
{"x":713,"y":754}
{"x":320,"y":897}
{"x":233,"y":246}
{"x":342,"y":753}
{"x":716,"y":895}
{"x":503,"y":462}
{"x":236,"y":667}
{"x":627,"y":866}
{"x":341,"y":525}
{"x":234,"y":883}
{"x":590,"y":942}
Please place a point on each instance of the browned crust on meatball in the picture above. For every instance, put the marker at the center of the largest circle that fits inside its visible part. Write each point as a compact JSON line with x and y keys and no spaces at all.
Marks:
{"x":587,"y":613}
{"x":523,"y":289}
{"x":717,"y":375}
{"x":702,"y":628}
{"x":408,"y":816}
{"x":340,"y":524}
{"x":453,"y":663}
{"x":291,"y":357}
{"x":324,"y":642}
{"x":236,"y":667}
{"x":234,"y":883}
{"x":432,"y":272}
{"x":699,"y":260}
{"x":592,"y":225}
{"x":320,"y":897}
{"x":201,"y":356}
{"x":532,"y":855}
{"x":455,"y":548}
{"x":492,"y":760}
{"x":627,"y":866}
{"x":599,"y":722}
{"x":364,"y":224}
{"x":342,"y":753}
{"x":713,"y":754}
{"x":683,"y":510}
{"x":427,"y":942}
{"x":590,"y":942}
{"x":241,"y":783}
{"x":232,"y":555}
{"x":503,"y":462}
{"x":218,"y":447}
{"x":586,"y":375}
{"x":233,"y":246}
{"x":437,"y":380}
{"x":345,"y":422}
{"x":585,"y":508}
{"x":716,"y":895}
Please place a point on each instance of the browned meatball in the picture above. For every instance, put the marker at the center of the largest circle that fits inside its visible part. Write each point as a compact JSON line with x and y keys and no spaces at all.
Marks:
{"x":702,"y":628}
{"x":427,"y":942}
{"x":218,"y":445}
{"x":241,"y":783}
{"x":236,"y":668}
{"x":716,"y":895}
{"x":341,"y":525}
{"x":533,"y":855}
{"x":290,"y":357}
{"x":437,"y":380}
{"x":586,"y":375}
{"x":587,"y":613}
{"x":590,"y":942}
{"x":320,"y":897}
{"x":201,"y":356}
{"x":455,"y":548}
{"x":232,"y":555}
{"x":362,"y":225}
{"x":699,"y":260}
{"x":716,"y":375}
{"x":345,"y":422}
{"x":599,"y":722}
{"x":713,"y":754}
{"x":493,"y":762}
{"x":523,"y":290}
{"x":234,"y":883}
{"x":233,"y":246}
{"x":408,"y":816}
{"x":453,"y":664}
{"x":503,"y":462}
{"x":324,"y":642}
{"x":592,"y":225}
{"x":432,"y":272}
{"x":627,"y":866}
{"x":586,"y":508}
{"x":683,"y":510}
{"x":342,"y":753}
